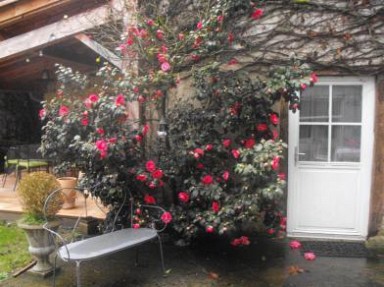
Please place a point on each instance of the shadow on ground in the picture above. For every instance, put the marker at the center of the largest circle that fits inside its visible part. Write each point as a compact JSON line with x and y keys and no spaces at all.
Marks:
{"x":263,"y":264}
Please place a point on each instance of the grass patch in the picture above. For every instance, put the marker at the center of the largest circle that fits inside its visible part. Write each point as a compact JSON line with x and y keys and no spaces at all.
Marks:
{"x":13,"y":249}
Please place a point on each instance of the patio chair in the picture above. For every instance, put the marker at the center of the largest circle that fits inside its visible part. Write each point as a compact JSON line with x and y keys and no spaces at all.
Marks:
{"x":78,"y":249}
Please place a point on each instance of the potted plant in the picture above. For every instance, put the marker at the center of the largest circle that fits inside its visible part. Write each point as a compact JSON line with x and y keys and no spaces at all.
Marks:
{"x":33,"y":190}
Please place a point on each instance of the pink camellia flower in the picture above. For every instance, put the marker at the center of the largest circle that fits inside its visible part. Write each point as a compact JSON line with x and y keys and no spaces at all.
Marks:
{"x":120,"y":100}
{"x":160,"y":35}
{"x":150,"y":22}
{"x":215,"y":206}
{"x":150,"y":166}
{"x":42,"y":114}
{"x":208,"y":147}
{"x":249,"y":143}
{"x":63,"y":111}
{"x":236,"y":242}
{"x":181,"y":36}
{"x":207,"y":179}
{"x":294,"y":244}
{"x":200,"y":165}
{"x":245,"y":240}
{"x":303,"y":86}
{"x":225,"y":175}
{"x":271,"y":231}
{"x":275,"y":134}
{"x":198,"y":152}
{"x":112,"y":140}
{"x":283,"y":223}
{"x":275,"y":163}
{"x":166,"y":217}
{"x":310,"y":256}
{"x":231,"y":38}
{"x":141,"y":177}
{"x":274,"y":118}
{"x":195,"y":57}
{"x":152,"y":185}
{"x":314,"y":77}
{"x":161,"y":58}
{"x":209,"y":229}
{"x":149,"y":199}
{"x":138,"y":138}
{"x":136,"y":90}
{"x":100,"y":131}
{"x":183,"y":196}
{"x":165,"y":67}
{"x":157,"y":174}
{"x":281,"y":176}
{"x":102,"y":146}
{"x":220,"y":18}
{"x":226,"y":143}
{"x":93,"y":98}
{"x":85,"y":121}
{"x":145,"y":129}
{"x":164,"y":49}
{"x":257,"y":14}
{"x":136,"y":226}
{"x":262,"y":127}
{"x":199,"y":25}
{"x":236,"y":153}
{"x":141,"y":99}
{"x":129,"y":41}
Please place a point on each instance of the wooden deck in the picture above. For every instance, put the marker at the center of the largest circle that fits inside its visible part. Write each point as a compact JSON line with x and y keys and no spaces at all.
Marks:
{"x":10,"y":207}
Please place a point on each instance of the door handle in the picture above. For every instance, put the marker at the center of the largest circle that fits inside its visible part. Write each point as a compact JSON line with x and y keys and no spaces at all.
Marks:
{"x":297,"y":154}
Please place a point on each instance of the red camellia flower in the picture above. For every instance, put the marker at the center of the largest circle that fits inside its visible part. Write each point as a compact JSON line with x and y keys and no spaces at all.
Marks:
{"x":199,"y":25}
{"x":141,"y":177}
{"x":200,"y":165}
{"x":209,"y":229}
{"x":207,"y":179}
{"x":112,"y":140}
{"x":93,"y":98}
{"x":166,"y":217}
{"x":100,"y":131}
{"x":183,"y":196}
{"x":314,"y":78}
{"x":303,"y":86}
{"x":63,"y":111}
{"x":129,"y":41}
{"x":215,"y":207}
{"x":145,"y":129}
{"x":152,"y":185}
{"x":102,"y":146}
{"x":310,"y":256}
{"x":249,"y":143}
{"x":149,"y":199}
{"x":42,"y":114}
{"x":233,"y":61}
{"x":160,"y":35}
{"x":136,"y":225}
{"x":225,"y":175}
{"x":275,"y":163}
{"x":275,"y":134}
{"x":257,"y":14}
{"x":158,"y":174}
{"x":150,"y":166}
{"x":271,"y":231}
{"x":150,"y":22}
{"x":274,"y":118}
{"x":165,"y":67}
{"x":220,"y":18}
{"x":262,"y":127}
{"x":226,"y":143}
{"x":138,"y":138}
{"x":243,"y":240}
{"x":161,"y":58}
{"x":120,"y":100}
{"x":164,"y":49}
{"x":294,"y":244}
{"x":84,"y":121}
{"x":208,"y":147}
{"x":195,"y":57}
{"x":235,"y":153}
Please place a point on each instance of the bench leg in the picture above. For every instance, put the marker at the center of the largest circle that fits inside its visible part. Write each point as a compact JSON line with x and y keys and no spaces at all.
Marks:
{"x":54,"y":271}
{"x":78,"y":279}
{"x":161,"y":253}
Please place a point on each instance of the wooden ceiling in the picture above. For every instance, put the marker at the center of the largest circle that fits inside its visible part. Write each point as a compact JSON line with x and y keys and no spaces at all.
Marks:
{"x":24,"y":70}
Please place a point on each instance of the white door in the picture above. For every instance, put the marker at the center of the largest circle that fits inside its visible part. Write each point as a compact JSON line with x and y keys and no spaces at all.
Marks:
{"x":330,"y":158}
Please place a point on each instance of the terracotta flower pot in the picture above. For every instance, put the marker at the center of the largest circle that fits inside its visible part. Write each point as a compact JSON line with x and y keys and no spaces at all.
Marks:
{"x":68,"y":183}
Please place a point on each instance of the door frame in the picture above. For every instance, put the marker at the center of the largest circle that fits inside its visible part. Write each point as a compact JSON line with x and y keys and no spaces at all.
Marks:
{"x":367,"y":135}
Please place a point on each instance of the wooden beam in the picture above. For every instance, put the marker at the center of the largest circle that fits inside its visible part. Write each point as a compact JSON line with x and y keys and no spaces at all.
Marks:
{"x":101,"y":50}
{"x":54,"y":32}
{"x":21,"y":9}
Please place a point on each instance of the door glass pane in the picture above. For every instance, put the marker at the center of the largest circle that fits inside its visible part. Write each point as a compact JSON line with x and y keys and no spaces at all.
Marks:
{"x":313,"y":145}
{"x":346,"y":104}
{"x":314,"y":104}
{"x":345,"y":143}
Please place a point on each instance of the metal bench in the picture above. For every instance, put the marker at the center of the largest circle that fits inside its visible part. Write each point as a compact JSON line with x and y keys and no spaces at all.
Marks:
{"x":102,"y":245}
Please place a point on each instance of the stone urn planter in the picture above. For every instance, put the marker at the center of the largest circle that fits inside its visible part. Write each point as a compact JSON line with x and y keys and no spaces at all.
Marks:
{"x":68,"y":183}
{"x":41,"y":245}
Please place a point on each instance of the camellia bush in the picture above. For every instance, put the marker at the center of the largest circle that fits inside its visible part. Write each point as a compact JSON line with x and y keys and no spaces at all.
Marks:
{"x":223,"y":154}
